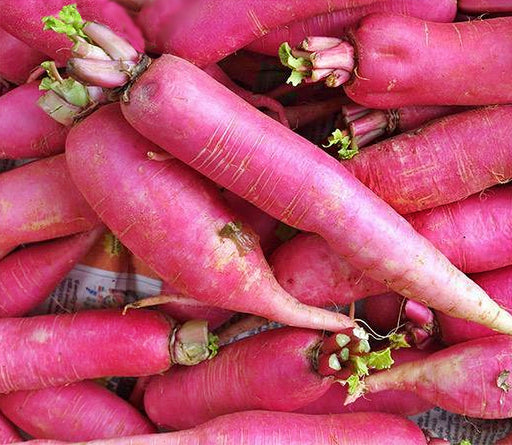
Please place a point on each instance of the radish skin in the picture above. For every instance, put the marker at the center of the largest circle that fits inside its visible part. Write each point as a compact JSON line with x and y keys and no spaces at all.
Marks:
{"x":38,"y":201}
{"x":77,"y":412}
{"x":29,"y":275}
{"x":162,"y":204}
{"x":17,"y":60}
{"x":337,"y":23}
{"x":415,"y":171}
{"x":467,"y":379}
{"x":22,"y":19}
{"x":26,"y":131}
{"x":272,"y":370}
{"x":258,"y":427}
{"x":89,"y":345}
{"x":241,"y":149}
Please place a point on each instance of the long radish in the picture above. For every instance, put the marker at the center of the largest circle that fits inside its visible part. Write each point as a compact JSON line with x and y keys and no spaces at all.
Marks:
{"x":278,"y":370}
{"x":169,"y":25}
{"x":54,"y":350}
{"x":162,"y":204}
{"x":263,"y":427}
{"x":388,"y":63}
{"x":242,"y":150}
{"x":443,"y":162}
{"x":26,"y":131}
{"x":469,"y":378}
{"x":30,"y":274}
{"x":38,"y":201}
{"x":77,"y":412}
{"x":337,"y":23}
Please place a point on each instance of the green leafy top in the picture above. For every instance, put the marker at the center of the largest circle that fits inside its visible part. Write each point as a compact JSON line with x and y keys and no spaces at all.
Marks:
{"x":347,"y":147}
{"x":362,"y":365}
{"x":464,"y":442}
{"x":299,"y":65}
{"x":213,"y":345}
{"x":69,"y":22}
{"x":69,"y":89}
{"x":398,"y":341}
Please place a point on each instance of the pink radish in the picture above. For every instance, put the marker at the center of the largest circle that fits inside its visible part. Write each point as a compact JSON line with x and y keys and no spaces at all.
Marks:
{"x":77,"y":412}
{"x":415,"y":171}
{"x":388,"y":62}
{"x":297,"y":199}
{"x":162,"y":204}
{"x":278,"y":370}
{"x":38,"y":201}
{"x":258,"y":427}
{"x":26,"y":131}
{"x":168,"y":26}
{"x":30,"y":274}
{"x":337,"y":23}
{"x":54,"y":350}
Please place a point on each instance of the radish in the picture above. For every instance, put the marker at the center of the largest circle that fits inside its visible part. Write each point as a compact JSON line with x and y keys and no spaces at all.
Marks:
{"x":30,"y":274}
{"x":38,"y":201}
{"x":225,"y":151}
{"x":388,"y":63}
{"x":432,"y":166}
{"x":312,"y":272}
{"x":163,"y":204}
{"x":278,"y":370}
{"x":365,"y":125}
{"x":17,"y":60}
{"x":262,"y":427}
{"x":77,"y":412}
{"x":337,"y":23}
{"x":394,"y":402}
{"x":22,"y":19}
{"x":168,"y":25}
{"x":44,"y":350}
{"x":26,"y":131}
{"x":470,"y":378}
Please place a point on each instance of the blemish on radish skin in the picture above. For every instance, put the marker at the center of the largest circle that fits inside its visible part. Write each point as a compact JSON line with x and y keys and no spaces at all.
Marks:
{"x":4,"y":206}
{"x":40,"y":336}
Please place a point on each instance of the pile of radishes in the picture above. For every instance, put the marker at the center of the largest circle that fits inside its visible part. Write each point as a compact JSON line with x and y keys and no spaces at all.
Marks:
{"x":268,"y":161}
